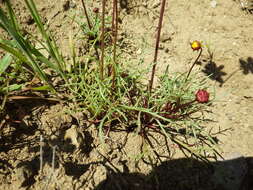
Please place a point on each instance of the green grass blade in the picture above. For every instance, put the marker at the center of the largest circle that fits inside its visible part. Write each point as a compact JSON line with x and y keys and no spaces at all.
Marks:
{"x":4,"y":63}
{"x":23,"y":45}
{"x":12,"y":15}
{"x":41,"y":88}
{"x":13,"y":52}
{"x":52,"y":48}
{"x":12,"y":87}
{"x":31,"y":62}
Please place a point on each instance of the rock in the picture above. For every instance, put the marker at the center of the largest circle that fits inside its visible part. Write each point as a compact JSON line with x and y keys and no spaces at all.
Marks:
{"x":72,"y":4}
{"x":230,"y":173}
{"x":75,"y":135}
{"x":139,"y":52}
{"x":213,"y":3}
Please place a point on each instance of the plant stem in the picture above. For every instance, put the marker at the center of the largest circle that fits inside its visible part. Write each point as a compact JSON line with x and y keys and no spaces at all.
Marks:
{"x":89,"y":25}
{"x":86,"y":15}
{"x":157,"y":45}
{"x":196,"y":60}
{"x":101,"y":67}
{"x":115,"y":27}
{"x":115,"y":33}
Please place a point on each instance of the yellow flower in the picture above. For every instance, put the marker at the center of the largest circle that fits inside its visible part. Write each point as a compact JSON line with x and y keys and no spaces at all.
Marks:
{"x":196,"y":45}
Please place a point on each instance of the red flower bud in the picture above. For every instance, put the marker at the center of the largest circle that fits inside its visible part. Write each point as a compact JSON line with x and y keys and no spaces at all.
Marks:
{"x":202,"y":96}
{"x":96,"y":10}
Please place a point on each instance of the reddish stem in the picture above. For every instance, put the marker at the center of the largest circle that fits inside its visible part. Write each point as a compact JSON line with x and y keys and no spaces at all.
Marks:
{"x":115,"y":33}
{"x":102,"y":41}
{"x":86,"y":15}
{"x":157,"y":45}
{"x":196,"y":60}
{"x":182,"y":106}
{"x":89,"y":24}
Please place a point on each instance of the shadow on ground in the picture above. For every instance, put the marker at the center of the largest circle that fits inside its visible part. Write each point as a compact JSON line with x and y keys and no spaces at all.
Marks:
{"x":246,"y":65}
{"x":216,"y":73}
{"x":17,"y":124}
{"x":185,"y":174}
{"x":213,"y":71}
{"x":177,"y":174}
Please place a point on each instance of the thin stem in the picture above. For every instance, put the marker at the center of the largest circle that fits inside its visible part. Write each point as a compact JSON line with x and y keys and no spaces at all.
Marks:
{"x":86,"y":15}
{"x":157,"y":45}
{"x":89,"y":25}
{"x":115,"y":33}
{"x":102,"y":41}
{"x":113,"y":29}
{"x":113,"y":17}
{"x":196,"y":60}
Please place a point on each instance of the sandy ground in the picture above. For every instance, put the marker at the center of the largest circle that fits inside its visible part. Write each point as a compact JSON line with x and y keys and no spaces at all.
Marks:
{"x":226,"y":33}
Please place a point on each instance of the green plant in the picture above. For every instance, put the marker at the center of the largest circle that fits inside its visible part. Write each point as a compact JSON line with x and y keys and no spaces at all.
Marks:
{"x":112,"y":96}
{"x":4,"y":81}
{"x":12,"y":78}
{"x":25,"y":51}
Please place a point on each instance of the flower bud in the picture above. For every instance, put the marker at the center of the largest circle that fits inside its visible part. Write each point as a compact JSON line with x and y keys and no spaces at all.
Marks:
{"x":96,"y":10}
{"x":195,"y":45}
{"x":202,"y":96}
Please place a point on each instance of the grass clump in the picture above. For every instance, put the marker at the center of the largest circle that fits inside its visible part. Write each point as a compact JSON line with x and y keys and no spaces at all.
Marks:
{"x":112,"y":96}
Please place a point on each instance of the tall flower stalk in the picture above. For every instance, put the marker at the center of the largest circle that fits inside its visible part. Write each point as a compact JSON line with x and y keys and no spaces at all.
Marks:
{"x":157,"y":46}
{"x":196,"y":46}
{"x":101,"y":66}
{"x":89,"y":24}
{"x":115,"y":33}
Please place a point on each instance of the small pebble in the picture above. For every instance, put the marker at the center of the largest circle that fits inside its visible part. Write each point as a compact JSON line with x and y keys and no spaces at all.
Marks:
{"x":213,"y":3}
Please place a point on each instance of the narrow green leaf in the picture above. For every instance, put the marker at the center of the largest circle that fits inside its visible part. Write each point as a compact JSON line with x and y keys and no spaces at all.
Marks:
{"x":5,"y":62}
{"x":42,"y":88}
{"x":12,"y":15}
{"x":12,"y":87}
{"x":51,"y":44}
{"x":13,"y":51}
